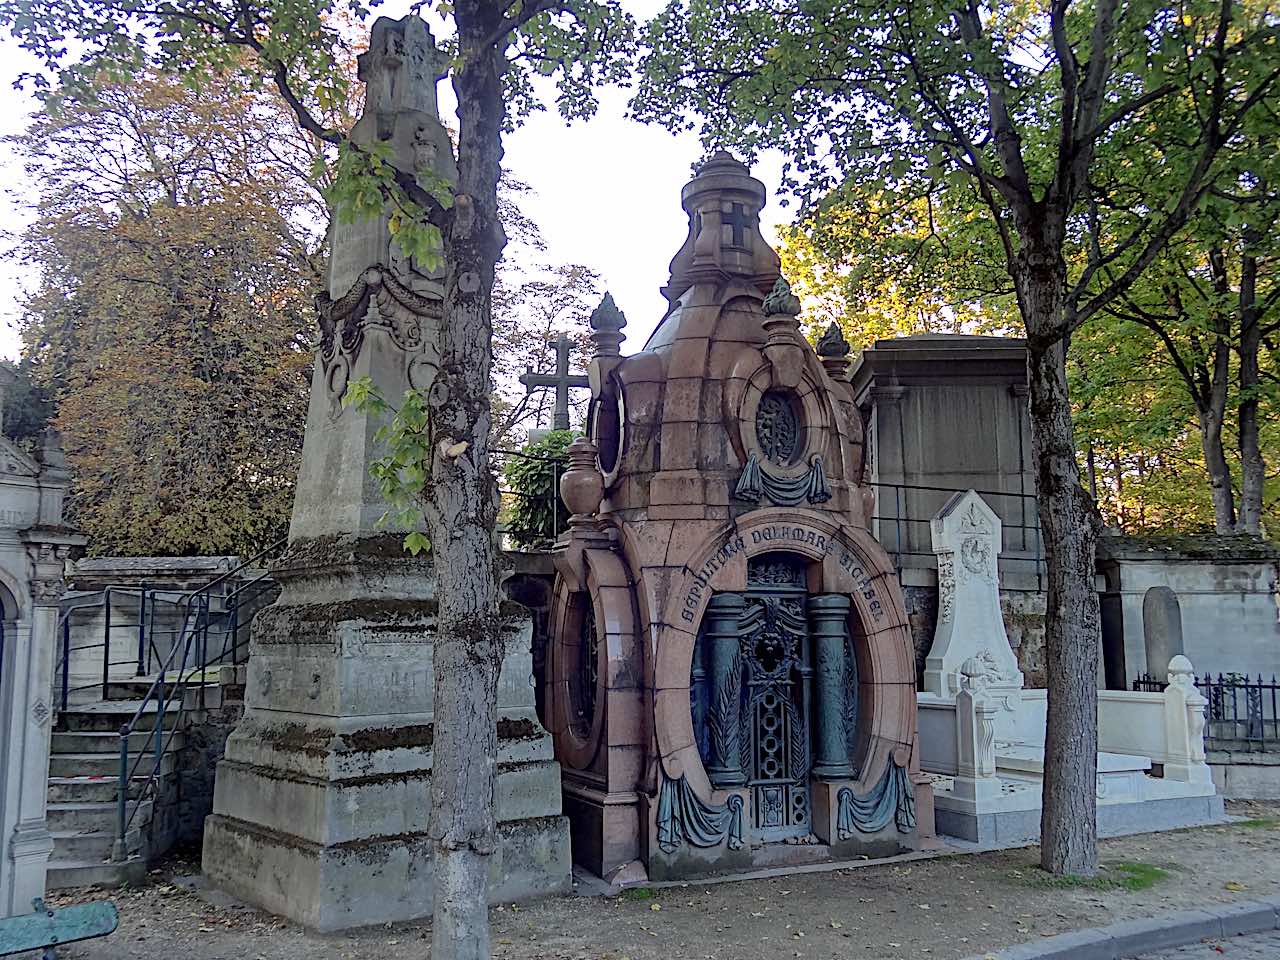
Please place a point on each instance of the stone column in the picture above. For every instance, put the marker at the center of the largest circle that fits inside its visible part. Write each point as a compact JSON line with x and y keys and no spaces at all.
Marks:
{"x":828,"y":622}
{"x":25,"y":843}
{"x":722,"y":633}
{"x":26,"y":712}
{"x":1184,"y":721}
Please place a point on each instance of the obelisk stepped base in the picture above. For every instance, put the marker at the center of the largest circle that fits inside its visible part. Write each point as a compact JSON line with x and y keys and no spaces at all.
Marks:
{"x":337,"y":851}
{"x":322,"y":801}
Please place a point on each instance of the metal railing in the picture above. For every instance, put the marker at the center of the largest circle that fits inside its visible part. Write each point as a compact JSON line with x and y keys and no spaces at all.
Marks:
{"x":555,"y":467}
{"x":211,"y":632}
{"x":1011,"y":532}
{"x":1240,"y":711}
{"x":211,"y":615}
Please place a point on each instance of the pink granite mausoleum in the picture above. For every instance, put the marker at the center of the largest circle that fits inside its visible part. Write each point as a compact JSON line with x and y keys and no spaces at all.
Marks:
{"x":730,"y":679}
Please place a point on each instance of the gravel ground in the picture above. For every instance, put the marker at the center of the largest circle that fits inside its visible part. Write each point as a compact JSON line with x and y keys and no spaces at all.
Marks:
{"x":947,"y":907}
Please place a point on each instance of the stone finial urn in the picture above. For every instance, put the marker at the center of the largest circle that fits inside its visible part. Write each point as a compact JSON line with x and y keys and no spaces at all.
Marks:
{"x":833,"y":351}
{"x":581,"y":486}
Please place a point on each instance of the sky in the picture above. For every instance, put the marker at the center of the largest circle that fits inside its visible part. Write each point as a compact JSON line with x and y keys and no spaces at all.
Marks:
{"x":606,"y":193}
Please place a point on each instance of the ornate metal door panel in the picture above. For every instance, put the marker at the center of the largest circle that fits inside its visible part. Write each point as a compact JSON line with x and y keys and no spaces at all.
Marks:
{"x":776,"y":678}
{"x":774,"y":693}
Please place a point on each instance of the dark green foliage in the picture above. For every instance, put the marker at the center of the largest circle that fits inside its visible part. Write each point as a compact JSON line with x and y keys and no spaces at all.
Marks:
{"x":27,"y":409}
{"x":535,"y":513}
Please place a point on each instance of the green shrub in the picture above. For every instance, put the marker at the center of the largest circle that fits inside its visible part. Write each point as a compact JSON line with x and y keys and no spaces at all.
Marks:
{"x":532,"y":480}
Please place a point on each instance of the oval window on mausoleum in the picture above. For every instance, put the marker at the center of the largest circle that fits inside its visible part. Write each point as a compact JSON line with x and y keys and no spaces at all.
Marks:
{"x":584,"y":674}
{"x":607,"y":429}
{"x":778,"y":427}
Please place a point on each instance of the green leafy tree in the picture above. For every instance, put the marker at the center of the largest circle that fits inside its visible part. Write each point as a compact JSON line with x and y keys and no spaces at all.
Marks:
{"x":1154,"y":379}
{"x":1211,"y":300}
{"x":880,"y":265}
{"x":1027,"y":107}
{"x":27,"y":410}
{"x":497,"y":52}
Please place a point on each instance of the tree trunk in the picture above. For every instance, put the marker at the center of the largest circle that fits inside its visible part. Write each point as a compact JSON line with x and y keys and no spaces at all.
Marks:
{"x":1253,"y":468}
{"x":1091,"y":465}
{"x":1215,"y":464}
{"x":1069,"y":522}
{"x":461,"y":502}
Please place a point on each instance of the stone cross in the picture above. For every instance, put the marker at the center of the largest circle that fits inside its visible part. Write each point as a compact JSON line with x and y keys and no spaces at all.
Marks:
{"x":561,"y":380}
{"x":738,"y":218}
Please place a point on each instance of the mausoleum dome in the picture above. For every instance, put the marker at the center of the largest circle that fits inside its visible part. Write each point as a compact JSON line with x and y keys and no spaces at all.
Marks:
{"x":728,"y":407}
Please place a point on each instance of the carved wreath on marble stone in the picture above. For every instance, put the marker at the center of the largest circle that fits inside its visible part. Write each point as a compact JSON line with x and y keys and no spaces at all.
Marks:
{"x":975,"y":554}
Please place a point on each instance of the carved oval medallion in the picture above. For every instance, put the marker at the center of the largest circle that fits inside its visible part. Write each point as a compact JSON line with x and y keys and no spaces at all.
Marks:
{"x":778,"y":427}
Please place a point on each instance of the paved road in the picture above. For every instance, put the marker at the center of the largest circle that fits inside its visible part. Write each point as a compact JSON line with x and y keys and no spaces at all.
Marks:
{"x":1259,"y":946}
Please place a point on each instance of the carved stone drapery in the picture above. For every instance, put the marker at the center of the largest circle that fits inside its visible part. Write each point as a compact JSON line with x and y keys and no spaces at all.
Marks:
{"x":784,"y":491}
{"x":683,"y":816}
{"x":892,"y":800}
{"x":378,"y":300}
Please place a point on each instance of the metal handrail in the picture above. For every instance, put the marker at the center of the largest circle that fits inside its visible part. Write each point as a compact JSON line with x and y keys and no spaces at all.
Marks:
{"x":188,"y":656}
{"x":195,"y":632}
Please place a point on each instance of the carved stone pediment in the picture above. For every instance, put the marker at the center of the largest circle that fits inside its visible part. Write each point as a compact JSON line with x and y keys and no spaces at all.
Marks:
{"x":14,"y":462}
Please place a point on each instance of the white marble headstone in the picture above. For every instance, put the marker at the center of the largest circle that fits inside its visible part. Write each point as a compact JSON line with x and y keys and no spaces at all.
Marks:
{"x":966,"y":539}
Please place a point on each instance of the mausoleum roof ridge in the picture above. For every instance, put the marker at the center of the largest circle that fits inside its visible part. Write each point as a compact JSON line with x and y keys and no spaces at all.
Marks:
{"x":960,"y":339}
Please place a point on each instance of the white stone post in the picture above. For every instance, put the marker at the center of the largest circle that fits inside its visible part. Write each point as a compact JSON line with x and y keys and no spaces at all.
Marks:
{"x":1184,"y":720}
{"x":24,"y":774}
{"x":976,"y":778}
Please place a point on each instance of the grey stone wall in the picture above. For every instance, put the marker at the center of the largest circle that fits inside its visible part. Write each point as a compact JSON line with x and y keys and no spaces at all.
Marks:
{"x":203,"y":746}
{"x":1024,"y":622}
{"x":1245,"y":775}
{"x":1219,"y":604}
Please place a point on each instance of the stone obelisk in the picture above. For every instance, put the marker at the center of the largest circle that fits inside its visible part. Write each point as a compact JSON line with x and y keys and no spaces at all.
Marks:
{"x":322,"y":799}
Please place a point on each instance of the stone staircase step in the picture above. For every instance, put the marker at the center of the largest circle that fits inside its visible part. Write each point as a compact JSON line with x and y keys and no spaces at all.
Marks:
{"x":110,"y":715}
{"x":90,"y":789}
{"x":133,"y":689}
{"x":213,"y":697}
{"x":103,"y":764}
{"x":85,"y":873}
{"x":88,"y":817}
{"x":103,"y":741}
{"x":96,"y":845}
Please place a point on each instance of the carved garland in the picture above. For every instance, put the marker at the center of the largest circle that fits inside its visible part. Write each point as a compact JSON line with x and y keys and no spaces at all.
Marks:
{"x":376,"y":300}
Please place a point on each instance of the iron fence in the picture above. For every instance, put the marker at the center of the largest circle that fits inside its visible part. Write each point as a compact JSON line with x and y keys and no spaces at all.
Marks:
{"x":1240,"y":713}
{"x":554,"y":465}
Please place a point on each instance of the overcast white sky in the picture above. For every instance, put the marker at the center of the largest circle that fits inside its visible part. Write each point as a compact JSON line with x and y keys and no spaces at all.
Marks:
{"x":607,"y":193}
